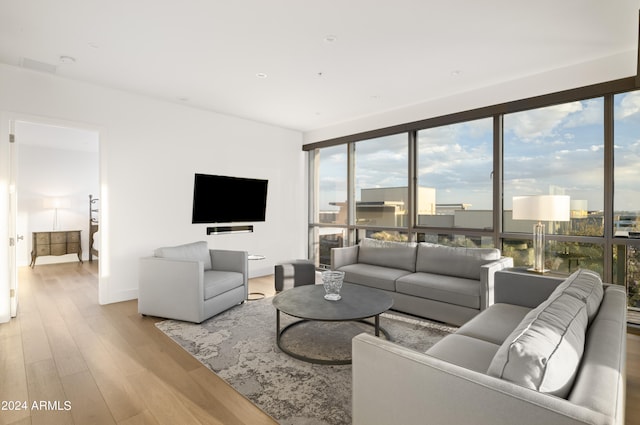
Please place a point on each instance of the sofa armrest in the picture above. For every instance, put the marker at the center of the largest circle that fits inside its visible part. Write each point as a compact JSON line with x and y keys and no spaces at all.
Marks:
{"x":344,"y":256}
{"x":232,"y":261}
{"x":393,"y":384}
{"x":520,"y":287}
{"x":487,"y":273}
{"x":171,"y":287}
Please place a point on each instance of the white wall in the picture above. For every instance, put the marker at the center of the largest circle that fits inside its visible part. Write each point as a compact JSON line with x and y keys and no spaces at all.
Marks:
{"x":45,"y":172}
{"x":149,"y":152}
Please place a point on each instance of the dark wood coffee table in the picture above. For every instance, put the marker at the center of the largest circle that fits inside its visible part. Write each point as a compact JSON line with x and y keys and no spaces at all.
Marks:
{"x":308,"y":303}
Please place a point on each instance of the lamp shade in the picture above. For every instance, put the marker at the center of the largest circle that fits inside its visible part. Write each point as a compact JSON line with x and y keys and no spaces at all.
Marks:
{"x":55,"y":203}
{"x":542,"y":208}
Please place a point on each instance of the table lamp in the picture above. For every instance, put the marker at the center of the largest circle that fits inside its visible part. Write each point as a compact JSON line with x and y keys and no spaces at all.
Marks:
{"x":541,"y":208}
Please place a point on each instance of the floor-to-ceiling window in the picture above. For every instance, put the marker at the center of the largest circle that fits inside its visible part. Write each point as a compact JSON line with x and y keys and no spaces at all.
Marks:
{"x":626,"y":195}
{"x":557,"y":150}
{"x":454,"y":187}
{"x":331,"y":207}
{"x":452,"y":179}
{"x":381,"y":188}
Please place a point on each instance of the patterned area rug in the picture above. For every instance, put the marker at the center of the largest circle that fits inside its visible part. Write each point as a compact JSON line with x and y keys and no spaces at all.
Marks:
{"x":239,"y":345}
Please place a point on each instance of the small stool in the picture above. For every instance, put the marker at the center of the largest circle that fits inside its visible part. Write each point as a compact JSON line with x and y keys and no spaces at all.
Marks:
{"x":294,"y":273}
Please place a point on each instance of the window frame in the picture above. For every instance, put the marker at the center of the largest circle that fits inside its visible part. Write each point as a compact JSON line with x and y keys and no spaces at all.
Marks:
{"x":605,"y":90}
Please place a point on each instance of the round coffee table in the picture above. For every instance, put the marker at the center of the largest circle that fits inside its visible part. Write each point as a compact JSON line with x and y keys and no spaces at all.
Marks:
{"x":308,"y":303}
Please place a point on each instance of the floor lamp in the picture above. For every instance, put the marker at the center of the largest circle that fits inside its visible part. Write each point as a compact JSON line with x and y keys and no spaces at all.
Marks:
{"x":541,"y":208}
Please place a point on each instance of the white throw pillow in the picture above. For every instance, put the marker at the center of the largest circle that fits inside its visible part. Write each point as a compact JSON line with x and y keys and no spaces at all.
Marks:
{"x":543,"y":353}
{"x":585,"y":285}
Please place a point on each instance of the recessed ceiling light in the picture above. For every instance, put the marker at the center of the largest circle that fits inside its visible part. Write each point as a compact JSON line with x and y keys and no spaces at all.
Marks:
{"x":67,"y":59}
{"x":456,"y":73}
{"x":183,"y":99}
{"x":93,"y":45}
{"x":330,"y":38}
{"x":261,"y":75}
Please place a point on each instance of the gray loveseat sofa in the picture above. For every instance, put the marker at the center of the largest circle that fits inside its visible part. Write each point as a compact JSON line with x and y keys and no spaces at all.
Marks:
{"x":539,"y":355}
{"x":449,"y":284}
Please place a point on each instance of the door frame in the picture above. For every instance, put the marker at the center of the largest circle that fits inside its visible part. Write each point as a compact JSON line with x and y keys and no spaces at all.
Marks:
{"x":9,"y":281}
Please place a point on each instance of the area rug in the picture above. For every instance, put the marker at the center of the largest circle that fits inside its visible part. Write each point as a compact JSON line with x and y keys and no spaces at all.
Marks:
{"x":239,"y":345}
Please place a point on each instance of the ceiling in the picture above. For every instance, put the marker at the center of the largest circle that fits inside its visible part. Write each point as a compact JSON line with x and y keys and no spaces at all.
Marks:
{"x":307,"y":65}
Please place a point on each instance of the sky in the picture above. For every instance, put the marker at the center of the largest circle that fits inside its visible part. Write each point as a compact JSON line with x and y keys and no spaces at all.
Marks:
{"x":557,"y":149}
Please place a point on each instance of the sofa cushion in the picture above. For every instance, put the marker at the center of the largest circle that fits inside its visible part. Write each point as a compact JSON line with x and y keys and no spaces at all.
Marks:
{"x":600,"y":374}
{"x":544,"y":351}
{"x":372,"y":276}
{"x":396,"y":255}
{"x":218,"y":282}
{"x":447,"y":289}
{"x":585,"y":285}
{"x":495,"y":323}
{"x":192,"y":251}
{"x":454,"y":261}
{"x":464,"y":351}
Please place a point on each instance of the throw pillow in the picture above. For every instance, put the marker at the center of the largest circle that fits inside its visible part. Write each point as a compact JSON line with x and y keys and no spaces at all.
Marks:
{"x":544,"y":351}
{"x":585,"y":285}
{"x":193,"y":251}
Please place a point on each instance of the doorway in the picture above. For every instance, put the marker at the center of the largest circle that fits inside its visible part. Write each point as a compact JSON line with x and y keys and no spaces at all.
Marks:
{"x":57,"y":169}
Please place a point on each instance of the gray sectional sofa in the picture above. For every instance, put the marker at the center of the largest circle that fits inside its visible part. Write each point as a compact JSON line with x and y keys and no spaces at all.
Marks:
{"x":521,"y":361}
{"x":449,"y":284}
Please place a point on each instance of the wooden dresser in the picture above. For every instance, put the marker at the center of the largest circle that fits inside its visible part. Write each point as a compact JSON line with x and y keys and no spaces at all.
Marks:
{"x":55,"y":243}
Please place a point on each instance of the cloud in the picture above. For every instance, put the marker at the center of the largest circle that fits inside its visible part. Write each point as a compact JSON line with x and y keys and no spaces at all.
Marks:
{"x":457,"y":160}
{"x":340,"y":158}
{"x":537,"y":123}
{"x":555,"y":147}
{"x":591,"y":113}
{"x":394,"y":143}
{"x":629,"y":105}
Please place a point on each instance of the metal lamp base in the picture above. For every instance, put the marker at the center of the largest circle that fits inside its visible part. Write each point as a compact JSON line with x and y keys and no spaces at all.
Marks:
{"x":543,"y":271}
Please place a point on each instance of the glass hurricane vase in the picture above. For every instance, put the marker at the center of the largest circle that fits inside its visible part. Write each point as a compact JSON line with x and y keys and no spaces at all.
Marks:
{"x":332,"y":282}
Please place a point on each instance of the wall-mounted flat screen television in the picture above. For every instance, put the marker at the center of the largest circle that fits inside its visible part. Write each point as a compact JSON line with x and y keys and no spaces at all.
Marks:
{"x":224,"y":199}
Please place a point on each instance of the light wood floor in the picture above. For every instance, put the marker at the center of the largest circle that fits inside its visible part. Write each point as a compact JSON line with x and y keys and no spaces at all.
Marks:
{"x":111,"y":364}
{"x":114,"y":367}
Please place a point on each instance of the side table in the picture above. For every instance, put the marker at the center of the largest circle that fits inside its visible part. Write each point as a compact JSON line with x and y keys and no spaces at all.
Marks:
{"x":509,"y":282}
{"x":254,"y":296}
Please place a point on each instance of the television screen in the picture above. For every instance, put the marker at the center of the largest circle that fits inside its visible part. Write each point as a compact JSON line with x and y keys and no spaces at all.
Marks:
{"x":223,"y":199}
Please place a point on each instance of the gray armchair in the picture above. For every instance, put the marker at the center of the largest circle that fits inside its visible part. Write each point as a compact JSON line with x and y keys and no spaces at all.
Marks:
{"x":191,"y":282}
